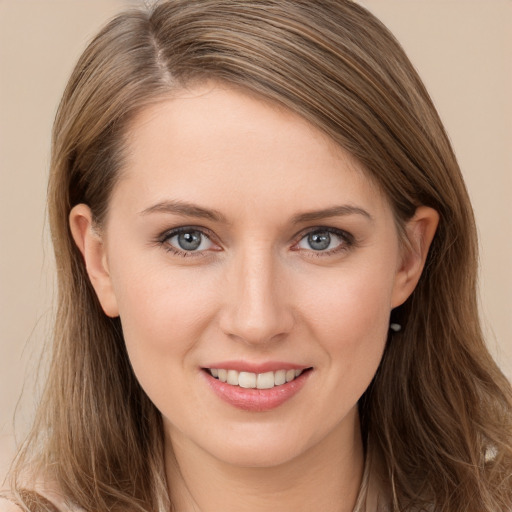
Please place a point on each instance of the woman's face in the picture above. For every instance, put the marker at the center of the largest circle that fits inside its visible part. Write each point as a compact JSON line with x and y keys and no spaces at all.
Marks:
{"x":241,"y":243}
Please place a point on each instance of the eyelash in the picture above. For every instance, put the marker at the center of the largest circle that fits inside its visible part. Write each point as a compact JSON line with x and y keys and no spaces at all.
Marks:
{"x":163,"y":241}
{"x":348,"y":241}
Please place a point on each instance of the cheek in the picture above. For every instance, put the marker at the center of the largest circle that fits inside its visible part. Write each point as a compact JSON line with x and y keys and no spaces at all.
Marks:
{"x":351,"y":299}
{"x":163,"y":317}
{"x":162,"y":313}
{"x":348,"y":314}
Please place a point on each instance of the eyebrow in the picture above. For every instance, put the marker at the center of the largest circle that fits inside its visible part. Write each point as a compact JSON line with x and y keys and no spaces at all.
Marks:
{"x":185,"y":209}
{"x":334,"y":211}
{"x":192,"y":210}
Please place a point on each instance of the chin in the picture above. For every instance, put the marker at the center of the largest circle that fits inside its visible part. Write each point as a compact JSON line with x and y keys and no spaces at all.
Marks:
{"x":267,"y":455}
{"x":266,"y":445}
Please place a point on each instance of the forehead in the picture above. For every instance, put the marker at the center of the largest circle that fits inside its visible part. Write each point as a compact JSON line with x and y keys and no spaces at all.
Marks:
{"x":213,"y":141}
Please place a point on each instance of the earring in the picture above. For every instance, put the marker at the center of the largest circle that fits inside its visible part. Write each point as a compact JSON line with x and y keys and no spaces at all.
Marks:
{"x":395,"y":327}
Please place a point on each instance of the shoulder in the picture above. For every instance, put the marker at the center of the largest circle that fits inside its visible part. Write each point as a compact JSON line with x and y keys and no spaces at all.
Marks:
{"x":8,"y":506}
{"x":33,"y":499}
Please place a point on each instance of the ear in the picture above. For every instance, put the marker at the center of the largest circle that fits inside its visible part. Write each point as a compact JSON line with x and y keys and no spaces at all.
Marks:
{"x":91,"y":245}
{"x":420,"y":231}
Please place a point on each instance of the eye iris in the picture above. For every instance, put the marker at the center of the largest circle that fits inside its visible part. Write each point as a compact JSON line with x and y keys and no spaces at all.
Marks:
{"x":190,"y":240}
{"x":319,"y":241}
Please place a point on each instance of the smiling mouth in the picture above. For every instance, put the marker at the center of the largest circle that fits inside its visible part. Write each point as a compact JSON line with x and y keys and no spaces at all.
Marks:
{"x":249,"y":380}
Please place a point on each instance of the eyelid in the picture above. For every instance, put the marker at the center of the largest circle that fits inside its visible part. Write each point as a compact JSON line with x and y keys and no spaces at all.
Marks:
{"x":348,"y":240}
{"x":164,"y":237}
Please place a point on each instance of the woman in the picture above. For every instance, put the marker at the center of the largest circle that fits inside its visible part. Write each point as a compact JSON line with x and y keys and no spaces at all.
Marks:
{"x":267,"y":265}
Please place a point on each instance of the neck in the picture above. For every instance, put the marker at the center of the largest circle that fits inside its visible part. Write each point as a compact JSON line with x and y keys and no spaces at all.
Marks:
{"x":326,"y":477}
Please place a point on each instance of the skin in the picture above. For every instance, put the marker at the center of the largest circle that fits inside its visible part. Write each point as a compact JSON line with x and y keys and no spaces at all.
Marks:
{"x":254,"y":291}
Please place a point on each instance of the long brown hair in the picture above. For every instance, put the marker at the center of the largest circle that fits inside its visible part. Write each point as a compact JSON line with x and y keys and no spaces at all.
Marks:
{"x":438,"y":410}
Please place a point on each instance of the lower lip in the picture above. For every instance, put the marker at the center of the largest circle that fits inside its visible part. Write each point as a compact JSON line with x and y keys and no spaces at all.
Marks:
{"x":256,"y":400}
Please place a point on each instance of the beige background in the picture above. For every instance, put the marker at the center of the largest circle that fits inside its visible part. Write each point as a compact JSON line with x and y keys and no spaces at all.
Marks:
{"x":462,"y":49}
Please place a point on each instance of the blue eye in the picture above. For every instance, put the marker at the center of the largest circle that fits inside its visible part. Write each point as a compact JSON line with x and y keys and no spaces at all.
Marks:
{"x":324,"y":240}
{"x":188,"y":240}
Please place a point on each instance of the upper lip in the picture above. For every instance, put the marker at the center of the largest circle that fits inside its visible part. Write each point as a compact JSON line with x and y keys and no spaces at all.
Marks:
{"x":253,"y":367}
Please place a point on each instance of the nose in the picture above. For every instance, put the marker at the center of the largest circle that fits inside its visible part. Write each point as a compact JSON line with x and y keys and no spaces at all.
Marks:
{"x":257,"y":308}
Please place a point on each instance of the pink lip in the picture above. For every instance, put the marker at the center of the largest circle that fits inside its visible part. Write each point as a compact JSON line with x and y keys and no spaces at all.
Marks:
{"x":256,"y":400}
{"x":268,"y":366}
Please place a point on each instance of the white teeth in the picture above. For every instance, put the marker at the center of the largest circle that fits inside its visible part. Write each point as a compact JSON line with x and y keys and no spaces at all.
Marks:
{"x":265,"y":380}
{"x":232,"y":377}
{"x":251,"y":380}
{"x":247,"y":380}
{"x":280,"y":377}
